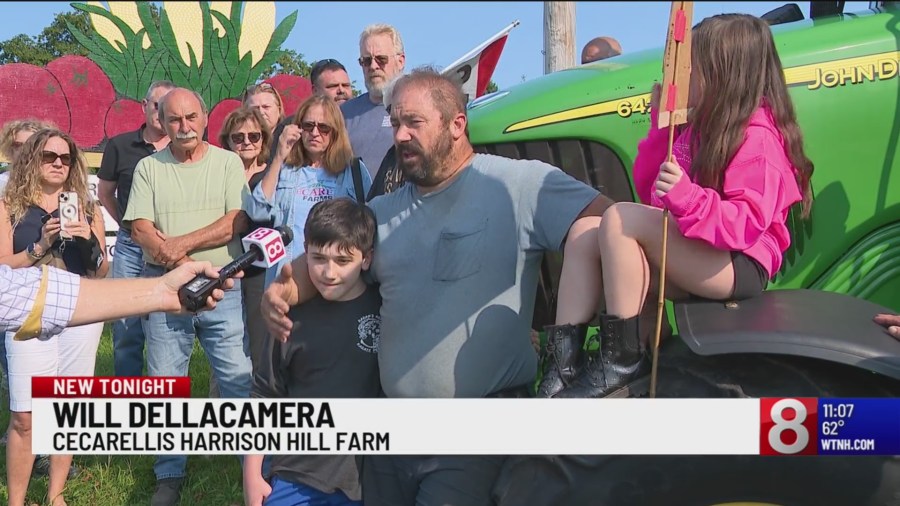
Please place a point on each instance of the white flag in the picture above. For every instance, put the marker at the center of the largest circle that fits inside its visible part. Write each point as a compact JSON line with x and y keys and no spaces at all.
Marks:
{"x":474,"y":70}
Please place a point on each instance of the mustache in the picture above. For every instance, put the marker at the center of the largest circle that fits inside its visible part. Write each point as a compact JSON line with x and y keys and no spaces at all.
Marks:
{"x":189,"y":135}
{"x":411,"y":146}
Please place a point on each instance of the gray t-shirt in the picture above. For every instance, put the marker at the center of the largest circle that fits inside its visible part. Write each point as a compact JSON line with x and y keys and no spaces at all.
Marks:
{"x":459,"y":269}
{"x":369,"y":127}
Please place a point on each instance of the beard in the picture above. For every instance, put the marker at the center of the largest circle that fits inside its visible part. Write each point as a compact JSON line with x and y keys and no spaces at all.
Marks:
{"x":375,"y":88}
{"x":426,"y":169}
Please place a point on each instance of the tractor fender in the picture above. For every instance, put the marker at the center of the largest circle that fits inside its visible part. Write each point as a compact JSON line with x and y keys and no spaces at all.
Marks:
{"x":807,"y":323}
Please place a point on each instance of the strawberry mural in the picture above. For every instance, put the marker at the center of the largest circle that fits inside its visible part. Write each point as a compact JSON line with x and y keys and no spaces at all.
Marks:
{"x":89,"y":93}
{"x":32,"y":91}
{"x":214,"y":48}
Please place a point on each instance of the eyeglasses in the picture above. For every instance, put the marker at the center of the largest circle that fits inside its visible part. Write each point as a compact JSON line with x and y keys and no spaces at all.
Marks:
{"x":253,"y":137}
{"x":309,"y":126}
{"x":50,"y":157}
{"x":365,"y":61}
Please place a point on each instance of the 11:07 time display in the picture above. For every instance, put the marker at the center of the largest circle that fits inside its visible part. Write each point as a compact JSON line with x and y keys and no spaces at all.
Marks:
{"x":837,"y":410}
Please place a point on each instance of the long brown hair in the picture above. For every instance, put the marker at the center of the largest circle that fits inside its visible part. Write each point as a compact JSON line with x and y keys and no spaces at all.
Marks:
{"x":338,"y":154}
{"x":236,"y":120}
{"x":24,"y":186}
{"x":736,"y":66}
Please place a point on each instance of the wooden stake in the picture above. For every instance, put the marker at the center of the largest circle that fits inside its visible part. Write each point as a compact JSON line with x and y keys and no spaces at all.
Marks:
{"x":673,"y":105}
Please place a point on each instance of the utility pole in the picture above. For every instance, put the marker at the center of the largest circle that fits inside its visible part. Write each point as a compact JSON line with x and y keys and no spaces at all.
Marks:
{"x":559,"y":36}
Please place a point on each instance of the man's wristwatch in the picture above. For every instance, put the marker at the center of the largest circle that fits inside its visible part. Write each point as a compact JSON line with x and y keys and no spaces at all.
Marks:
{"x":35,"y":252}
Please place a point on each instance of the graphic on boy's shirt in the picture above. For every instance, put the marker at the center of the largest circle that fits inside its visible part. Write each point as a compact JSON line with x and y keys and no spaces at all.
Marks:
{"x":369,"y":333}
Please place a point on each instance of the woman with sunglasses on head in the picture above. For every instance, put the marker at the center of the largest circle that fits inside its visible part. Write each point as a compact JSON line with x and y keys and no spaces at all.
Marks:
{"x":13,"y":136}
{"x":265,"y":99}
{"x":48,"y":164}
{"x":245,"y":132}
{"x":313,"y":162}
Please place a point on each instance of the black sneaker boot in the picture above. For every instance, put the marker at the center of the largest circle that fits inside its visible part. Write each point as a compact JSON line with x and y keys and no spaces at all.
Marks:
{"x":562,"y":358}
{"x":619,"y":361}
{"x":167,"y":493}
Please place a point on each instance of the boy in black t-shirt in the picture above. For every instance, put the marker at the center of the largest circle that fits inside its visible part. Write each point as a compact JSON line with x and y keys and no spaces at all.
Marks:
{"x":332,"y":354}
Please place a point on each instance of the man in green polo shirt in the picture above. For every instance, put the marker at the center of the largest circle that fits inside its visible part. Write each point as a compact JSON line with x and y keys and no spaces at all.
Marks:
{"x":185,"y":204}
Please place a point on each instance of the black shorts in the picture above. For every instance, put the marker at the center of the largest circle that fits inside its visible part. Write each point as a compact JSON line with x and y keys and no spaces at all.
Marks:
{"x":750,"y":278}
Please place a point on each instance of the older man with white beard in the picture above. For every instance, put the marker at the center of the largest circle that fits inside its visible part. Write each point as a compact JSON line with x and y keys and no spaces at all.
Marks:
{"x":368,"y":122}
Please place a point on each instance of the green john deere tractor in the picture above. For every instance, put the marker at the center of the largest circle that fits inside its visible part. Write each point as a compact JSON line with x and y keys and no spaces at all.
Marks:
{"x":811,"y":334}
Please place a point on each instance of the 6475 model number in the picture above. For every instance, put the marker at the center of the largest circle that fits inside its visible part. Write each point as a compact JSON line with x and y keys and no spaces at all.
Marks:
{"x":637,"y":105}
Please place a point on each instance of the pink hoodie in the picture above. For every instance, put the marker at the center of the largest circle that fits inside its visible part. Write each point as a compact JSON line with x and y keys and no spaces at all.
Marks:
{"x":758,"y":191}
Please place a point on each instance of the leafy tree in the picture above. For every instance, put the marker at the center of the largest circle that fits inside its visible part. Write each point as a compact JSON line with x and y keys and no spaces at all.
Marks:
{"x":54,"y":41}
{"x":491,"y":87}
{"x":291,"y":63}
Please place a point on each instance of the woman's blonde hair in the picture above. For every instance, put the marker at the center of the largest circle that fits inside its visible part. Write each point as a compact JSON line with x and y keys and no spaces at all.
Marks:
{"x":264,"y":88}
{"x":12,"y":128}
{"x":338,"y":154}
{"x":24,"y":186}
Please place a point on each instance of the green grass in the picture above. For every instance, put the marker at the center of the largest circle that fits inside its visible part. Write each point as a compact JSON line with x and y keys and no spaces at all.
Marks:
{"x":126,"y":480}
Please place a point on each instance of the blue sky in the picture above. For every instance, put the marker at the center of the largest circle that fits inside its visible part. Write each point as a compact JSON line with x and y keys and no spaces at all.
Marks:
{"x":438,"y":33}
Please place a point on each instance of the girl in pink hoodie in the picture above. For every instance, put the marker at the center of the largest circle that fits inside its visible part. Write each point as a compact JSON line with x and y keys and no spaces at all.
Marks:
{"x":739,"y":167}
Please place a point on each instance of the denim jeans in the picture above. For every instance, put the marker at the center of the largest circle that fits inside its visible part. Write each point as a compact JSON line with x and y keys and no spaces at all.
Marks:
{"x":127,"y":334}
{"x":170,"y":340}
{"x":289,"y":493}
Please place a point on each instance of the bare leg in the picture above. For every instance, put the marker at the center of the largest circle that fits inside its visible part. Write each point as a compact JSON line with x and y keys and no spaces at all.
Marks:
{"x":631,"y":241}
{"x":579,"y":296}
{"x":19,"y":459}
{"x":579,"y":281}
{"x":59,"y":472}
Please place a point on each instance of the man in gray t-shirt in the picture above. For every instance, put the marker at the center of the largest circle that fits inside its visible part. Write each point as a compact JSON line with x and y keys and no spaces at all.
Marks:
{"x":457,"y":258}
{"x":459,"y":277}
{"x":369,"y":128}
{"x":368,"y":123}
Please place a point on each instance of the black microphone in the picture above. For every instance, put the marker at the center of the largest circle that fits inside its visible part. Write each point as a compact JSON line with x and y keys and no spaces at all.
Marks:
{"x":264,"y":245}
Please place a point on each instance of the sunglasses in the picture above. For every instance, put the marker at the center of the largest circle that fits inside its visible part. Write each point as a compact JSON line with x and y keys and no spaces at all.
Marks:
{"x":252,"y":137}
{"x":365,"y":61}
{"x":309,"y":126}
{"x":321,"y":63}
{"x":50,"y":157}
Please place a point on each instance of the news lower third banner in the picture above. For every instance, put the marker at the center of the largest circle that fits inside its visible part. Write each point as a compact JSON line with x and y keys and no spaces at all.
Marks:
{"x":125,"y":416}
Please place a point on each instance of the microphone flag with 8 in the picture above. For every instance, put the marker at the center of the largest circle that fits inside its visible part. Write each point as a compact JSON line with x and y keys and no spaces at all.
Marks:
{"x":265,"y":248}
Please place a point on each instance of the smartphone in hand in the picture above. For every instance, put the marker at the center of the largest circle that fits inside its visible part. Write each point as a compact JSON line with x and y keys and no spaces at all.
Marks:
{"x":68,"y":212}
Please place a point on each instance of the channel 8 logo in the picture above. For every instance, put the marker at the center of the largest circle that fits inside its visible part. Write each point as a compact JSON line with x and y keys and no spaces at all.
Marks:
{"x":788,"y":426}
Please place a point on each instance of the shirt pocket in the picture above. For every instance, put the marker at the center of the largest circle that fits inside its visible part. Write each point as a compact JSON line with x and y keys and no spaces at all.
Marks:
{"x":460,"y":251}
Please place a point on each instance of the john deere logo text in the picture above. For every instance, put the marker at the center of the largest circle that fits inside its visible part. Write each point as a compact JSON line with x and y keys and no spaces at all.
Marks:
{"x":876,"y":67}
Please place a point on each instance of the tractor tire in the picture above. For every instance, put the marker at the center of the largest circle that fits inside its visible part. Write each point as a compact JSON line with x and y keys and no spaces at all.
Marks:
{"x":715,"y":480}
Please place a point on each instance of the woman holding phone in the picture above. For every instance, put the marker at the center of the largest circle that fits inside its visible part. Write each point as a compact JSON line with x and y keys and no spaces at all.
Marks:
{"x":49,"y":175}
